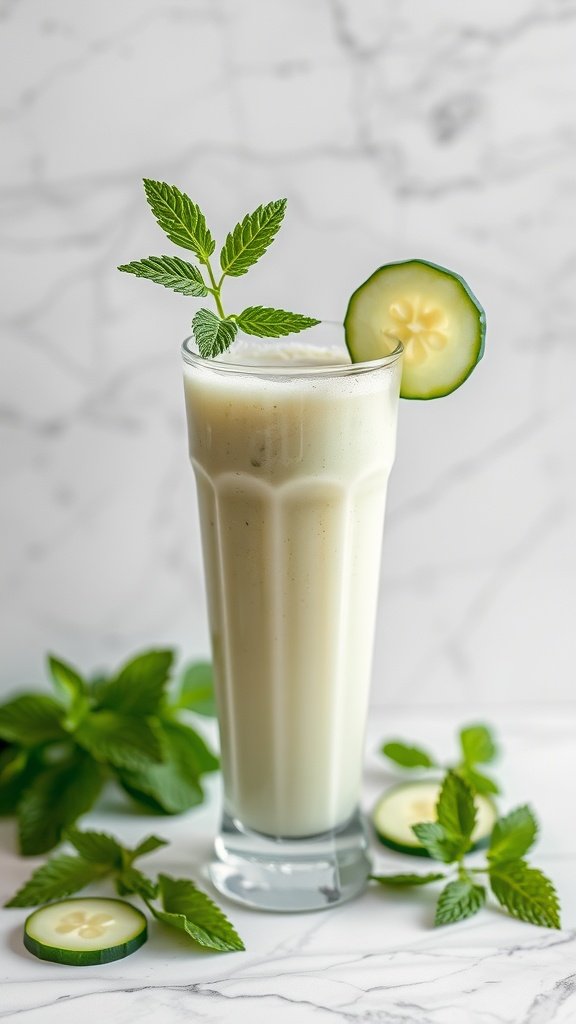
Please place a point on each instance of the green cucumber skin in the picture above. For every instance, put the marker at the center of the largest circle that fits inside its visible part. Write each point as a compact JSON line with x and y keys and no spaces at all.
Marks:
{"x":90,"y":958}
{"x":470,"y":294}
{"x":419,"y":851}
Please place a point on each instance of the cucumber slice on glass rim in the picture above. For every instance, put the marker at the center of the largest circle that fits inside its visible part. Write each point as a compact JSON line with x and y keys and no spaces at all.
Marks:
{"x":435,"y":315}
{"x":85,"y":932}
{"x":409,"y":803}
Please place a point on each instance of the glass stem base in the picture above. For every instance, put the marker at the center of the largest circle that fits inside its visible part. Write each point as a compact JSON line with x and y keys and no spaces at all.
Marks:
{"x":312,"y":873}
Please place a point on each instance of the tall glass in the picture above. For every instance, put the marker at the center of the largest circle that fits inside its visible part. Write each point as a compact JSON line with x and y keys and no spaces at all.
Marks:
{"x":291,"y":459}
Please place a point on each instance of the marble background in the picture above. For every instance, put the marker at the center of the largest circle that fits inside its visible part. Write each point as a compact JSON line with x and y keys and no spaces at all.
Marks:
{"x":444,"y":130}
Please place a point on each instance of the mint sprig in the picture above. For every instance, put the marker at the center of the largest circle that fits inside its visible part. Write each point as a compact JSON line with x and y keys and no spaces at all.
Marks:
{"x":477,"y":747}
{"x":185,"y":225}
{"x":524,"y":891}
{"x":176,"y":902}
{"x":57,"y":752}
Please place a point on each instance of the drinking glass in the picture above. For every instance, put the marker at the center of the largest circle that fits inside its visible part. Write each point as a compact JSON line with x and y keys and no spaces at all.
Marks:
{"x":291,"y":447}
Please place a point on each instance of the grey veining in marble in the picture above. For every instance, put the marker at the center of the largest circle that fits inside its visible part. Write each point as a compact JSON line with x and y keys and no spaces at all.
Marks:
{"x":444,"y":130}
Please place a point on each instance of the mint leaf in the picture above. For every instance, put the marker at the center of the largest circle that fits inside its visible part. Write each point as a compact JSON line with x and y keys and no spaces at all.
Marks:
{"x":148,"y":845}
{"x":196,"y":690}
{"x":54,"y":800}
{"x":68,"y":683}
{"x":478,"y":745}
{"x":180,"y":218}
{"x":61,"y":876}
{"x":438,"y":844}
{"x":455,"y":810}
{"x":406,"y":756}
{"x":525,"y":892}
{"x":460,"y":899}
{"x":169,"y":271}
{"x":400,"y":881}
{"x":133,"y":881}
{"x":478,"y":781}
{"x":140,"y":685}
{"x":187,"y":908}
{"x":173,"y":786}
{"x":18,"y":767}
{"x":31,"y":719}
{"x":213,"y":336}
{"x":265,"y":322}
{"x":97,"y":847}
{"x":122,"y":740}
{"x":513,"y":835}
{"x":251,"y":237}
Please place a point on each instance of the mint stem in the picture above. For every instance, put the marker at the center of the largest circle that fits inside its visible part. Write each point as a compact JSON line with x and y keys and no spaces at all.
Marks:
{"x":216,"y":290}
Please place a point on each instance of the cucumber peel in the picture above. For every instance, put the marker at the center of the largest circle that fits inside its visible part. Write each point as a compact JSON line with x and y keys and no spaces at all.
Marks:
{"x":410,"y":803}
{"x":435,"y":315}
{"x":85,"y":932}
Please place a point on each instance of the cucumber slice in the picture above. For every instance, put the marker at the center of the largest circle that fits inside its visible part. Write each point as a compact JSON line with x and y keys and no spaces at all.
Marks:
{"x":432,"y":311}
{"x":411,"y":802}
{"x":84,"y":932}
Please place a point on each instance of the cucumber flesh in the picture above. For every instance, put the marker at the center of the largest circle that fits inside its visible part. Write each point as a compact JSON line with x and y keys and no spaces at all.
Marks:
{"x":412,"y":802}
{"x":84,"y":932}
{"x":435,"y":315}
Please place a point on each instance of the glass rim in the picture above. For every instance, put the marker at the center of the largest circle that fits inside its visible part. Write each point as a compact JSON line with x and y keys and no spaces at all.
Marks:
{"x":193,"y":358}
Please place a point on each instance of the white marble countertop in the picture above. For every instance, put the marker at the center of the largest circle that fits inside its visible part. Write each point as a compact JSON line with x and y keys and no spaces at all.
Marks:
{"x":376,"y":959}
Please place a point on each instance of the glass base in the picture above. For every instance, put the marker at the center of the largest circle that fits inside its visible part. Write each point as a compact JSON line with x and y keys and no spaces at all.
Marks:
{"x":312,"y":873}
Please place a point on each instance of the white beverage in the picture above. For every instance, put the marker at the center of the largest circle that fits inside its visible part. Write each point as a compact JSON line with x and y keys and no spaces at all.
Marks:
{"x":291,"y":464}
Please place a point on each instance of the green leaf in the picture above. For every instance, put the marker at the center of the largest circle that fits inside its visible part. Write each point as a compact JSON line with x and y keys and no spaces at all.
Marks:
{"x":434,"y":839}
{"x":213,"y":336}
{"x":140,"y":685}
{"x":401,"y":881}
{"x":31,"y":719}
{"x":97,"y":847}
{"x":180,"y":218}
{"x":460,"y":899}
{"x":478,"y":745}
{"x":513,"y":835}
{"x":251,"y":237}
{"x":187,"y":908}
{"x":173,"y":786}
{"x":526,"y":893}
{"x":407,"y":756}
{"x":68,"y":683}
{"x":265,"y":322}
{"x":18,"y":767}
{"x":123,"y":741}
{"x":169,"y":271}
{"x":478,"y":781}
{"x":59,"y":877}
{"x":54,"y":800}
{"x":455,"y":810}
{"x":133,"y":881}
{"x":148,"y":845}
{"x":196,"y":690}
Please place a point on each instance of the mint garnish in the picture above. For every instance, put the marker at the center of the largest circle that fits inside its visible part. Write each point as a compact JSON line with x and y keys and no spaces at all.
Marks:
{"x":57,"y":752}
{"x":185,"y":224}
{"x":100,"y":855}
{"x":477,"y":746}
{"x":524,"y":891}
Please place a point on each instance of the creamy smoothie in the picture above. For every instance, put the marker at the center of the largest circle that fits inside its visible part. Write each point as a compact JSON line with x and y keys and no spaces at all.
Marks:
{"x":291,"y":463}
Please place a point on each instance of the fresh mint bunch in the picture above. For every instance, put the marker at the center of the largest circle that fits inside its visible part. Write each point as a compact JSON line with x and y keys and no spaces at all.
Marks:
{"x":477,"y":747}
{"x":58,"y":751}
{"x":524,"y":891}
{"x":185,"y":225}
{"x":173,"y":901}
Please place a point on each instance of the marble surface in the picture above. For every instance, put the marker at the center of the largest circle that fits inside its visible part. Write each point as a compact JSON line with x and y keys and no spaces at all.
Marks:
{"x":444,"y":130}
{"x":375,"y":960}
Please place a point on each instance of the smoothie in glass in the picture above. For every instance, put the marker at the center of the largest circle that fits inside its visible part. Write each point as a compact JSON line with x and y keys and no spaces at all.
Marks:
{"x":291,"y":447}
